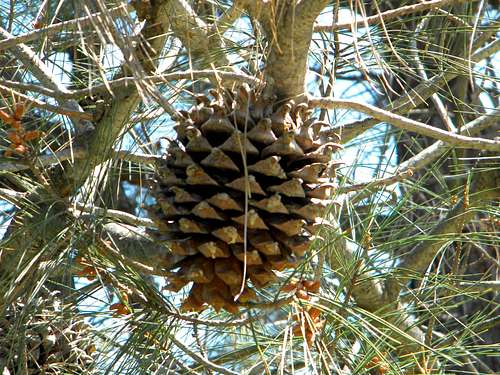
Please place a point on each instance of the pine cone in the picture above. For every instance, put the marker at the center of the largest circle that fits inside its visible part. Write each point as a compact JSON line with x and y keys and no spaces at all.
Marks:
{"x":54,"y":342}
{"x":227,"y":148}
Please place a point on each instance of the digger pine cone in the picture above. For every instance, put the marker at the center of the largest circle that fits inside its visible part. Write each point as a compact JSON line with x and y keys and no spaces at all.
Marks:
{"x":241,"y":169}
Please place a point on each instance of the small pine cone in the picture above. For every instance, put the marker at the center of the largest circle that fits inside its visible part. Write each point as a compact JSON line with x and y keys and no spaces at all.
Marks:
{"x":240,"y":169}
{"x":55,"y":340}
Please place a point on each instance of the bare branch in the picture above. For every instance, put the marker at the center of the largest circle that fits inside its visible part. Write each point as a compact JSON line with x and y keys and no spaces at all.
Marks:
{"x":15,"y":165}
{"x":401,"y":122}
{"x":31,"y":61}
{"x":438,"y":103}
{"x":41,"y":89}
{"x":190,"y":74}
{"x":216,"y":323}
{"x":11,"y":195}
{"x":486,"y":51}
{"x":42,"y":161}
{"x":480,"y":286}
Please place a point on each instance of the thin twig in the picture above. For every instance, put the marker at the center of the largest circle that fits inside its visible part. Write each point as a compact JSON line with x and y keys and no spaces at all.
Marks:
{"x":479,"y":286}
{"x":8,"y":194}
{"x":203,"y":361}
{"x":377,"y":182}
{"x":438,"y":103}
{"x":217,"y":323}
{"x":405,"y":123}
{"x":117,"y":215}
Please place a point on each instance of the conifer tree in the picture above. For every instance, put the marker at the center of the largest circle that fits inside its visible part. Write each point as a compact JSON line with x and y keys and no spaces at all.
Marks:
{"x":249,"y":187}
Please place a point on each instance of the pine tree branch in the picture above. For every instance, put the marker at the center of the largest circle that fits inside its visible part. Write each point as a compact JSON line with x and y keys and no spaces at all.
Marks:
{"x":55,"y":28}
{"x":40,"y":71}
{"x":370,"y":295}
{"x":192,"y":32}
{"x":388,"y":15}
{"x":61,"y":110}
{"x":456,"y":140}
{"x":37,"y":232}
{"x":434,"y":151}
{"x":109,"y":128}
{"x":139,"y":247}
{"x":376,"y":183}
{"x":15,"y":165}
{"x":139,"y":61}
{"x":130,"y":82}
{"x":486,"y":186}
{"x":420,"y":93}
{"x":114,"y":214}
{"x":201,"y":360}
